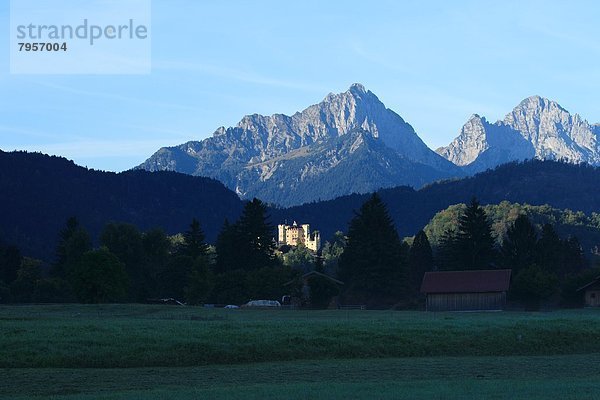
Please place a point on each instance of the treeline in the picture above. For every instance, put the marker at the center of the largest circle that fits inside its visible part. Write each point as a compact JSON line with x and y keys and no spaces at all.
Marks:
{"x":131,"y":266}
{"x":543,"y":265}
{"x":381,"y":270}
{"x":377,"y":268}
{"x":537,"y":182}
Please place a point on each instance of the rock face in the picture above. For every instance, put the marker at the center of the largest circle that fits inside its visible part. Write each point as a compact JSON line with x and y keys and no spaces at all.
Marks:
{"x":350,"y":142}
{"x":536,"y":128}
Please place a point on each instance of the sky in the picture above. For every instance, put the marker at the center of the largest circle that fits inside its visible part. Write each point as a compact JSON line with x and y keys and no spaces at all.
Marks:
{"x":435,"y":63}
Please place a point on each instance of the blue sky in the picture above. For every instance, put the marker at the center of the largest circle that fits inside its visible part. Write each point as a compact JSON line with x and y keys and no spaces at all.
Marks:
{"x":434,"y":63}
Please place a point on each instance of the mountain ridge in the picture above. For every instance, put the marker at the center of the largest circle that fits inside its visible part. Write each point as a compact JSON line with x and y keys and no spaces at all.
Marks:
{"x":230,"y":153}
{"x":536,"y":128}
{"x":534,"y":182}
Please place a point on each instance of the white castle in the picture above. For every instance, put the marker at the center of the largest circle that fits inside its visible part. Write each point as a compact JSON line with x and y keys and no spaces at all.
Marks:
{"x":295,"y":234}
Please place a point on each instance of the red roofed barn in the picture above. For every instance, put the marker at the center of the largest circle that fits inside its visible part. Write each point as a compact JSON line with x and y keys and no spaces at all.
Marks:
{"x":466,"y":290}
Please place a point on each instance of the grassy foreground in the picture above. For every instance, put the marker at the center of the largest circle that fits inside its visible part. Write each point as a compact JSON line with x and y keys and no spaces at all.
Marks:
{"x":164,"y":352}
{"x":128,"y":336}
{"x":564,"y":377}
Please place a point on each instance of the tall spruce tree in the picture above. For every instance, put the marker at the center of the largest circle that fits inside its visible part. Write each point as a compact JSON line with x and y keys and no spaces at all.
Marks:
{"x":446,"y":257}
{"x":373,"y":265}
{"x":255,"y":247}
{"x":474,"y":241}
{"x":157,"y":255}
{"x":227,"y":258}
{"x":420,"y":260}
{"x":549,"y":252}
{"x":194,"y":244}
{"x":199,"y":278}
{"x":518,"y":248}
{"x":573,"y":258}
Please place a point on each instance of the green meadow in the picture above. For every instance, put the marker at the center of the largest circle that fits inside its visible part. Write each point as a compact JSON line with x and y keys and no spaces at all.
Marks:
{"x":171,"y":352}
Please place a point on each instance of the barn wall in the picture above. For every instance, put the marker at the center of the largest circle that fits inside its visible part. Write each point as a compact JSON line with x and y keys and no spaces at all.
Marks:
{"x":592,"y":298}
{"x":466,"y":301}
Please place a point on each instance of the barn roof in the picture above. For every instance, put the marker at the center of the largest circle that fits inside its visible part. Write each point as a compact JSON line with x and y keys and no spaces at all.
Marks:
{"x":596,"y":280}
{"x":315,"y":273}
{"x":481,"y":281}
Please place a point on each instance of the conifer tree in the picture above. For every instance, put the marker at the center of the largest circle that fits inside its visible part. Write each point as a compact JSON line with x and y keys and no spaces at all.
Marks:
{"x":420,"y":260}
{"x":518,"y":248}
{"x":373,"y":265}
{"x":446,"y":256}
{"x":255,"y":247}
{"x":549,"y":250}
{"x":194,"y":244}
{"x":227,"y":260}
{"x":474,"y":241}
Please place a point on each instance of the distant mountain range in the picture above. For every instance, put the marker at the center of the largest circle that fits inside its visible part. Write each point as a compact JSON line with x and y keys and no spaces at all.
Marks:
{"x":351,"y":143}
{"x":348,"y":143}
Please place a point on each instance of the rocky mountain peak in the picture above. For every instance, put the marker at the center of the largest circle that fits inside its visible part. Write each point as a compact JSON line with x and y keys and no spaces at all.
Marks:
{"x":553,"y":131}
{"x":357,"y":88}
{"x":539,"y":103}
{"x":331,"y":137}
{"x":535,"y":110}
{"x":471,"y":142}
{"x":356,"y":96}
{"x":536,"y":127}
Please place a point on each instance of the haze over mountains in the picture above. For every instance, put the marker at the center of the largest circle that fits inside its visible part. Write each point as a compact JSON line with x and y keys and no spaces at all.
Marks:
{"x":351,"y":143}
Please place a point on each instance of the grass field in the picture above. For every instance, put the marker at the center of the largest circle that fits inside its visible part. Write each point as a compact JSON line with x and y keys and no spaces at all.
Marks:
{"x":164,"y":352}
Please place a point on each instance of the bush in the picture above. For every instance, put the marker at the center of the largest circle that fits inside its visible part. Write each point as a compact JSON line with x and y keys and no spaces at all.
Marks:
{"x":99,"y":277}
{"x":532,"y":285}
{"x":53,"y":290}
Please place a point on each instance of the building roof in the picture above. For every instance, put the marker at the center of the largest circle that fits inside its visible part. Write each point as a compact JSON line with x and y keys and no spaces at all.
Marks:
{"x":596,"y":280}
{"x":311,"y":273}
{"x":480,"y":281}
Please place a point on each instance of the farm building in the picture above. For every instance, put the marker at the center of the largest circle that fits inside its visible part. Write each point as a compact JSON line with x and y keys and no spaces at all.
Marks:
{"x":483,"y":290}
{"x":591,"y":293}
{"x":304,"y":282}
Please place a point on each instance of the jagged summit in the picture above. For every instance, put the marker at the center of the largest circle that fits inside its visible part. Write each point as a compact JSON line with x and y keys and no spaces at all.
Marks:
{"x":357,"y":88}
{"x":536,"y":127}
{"x":538,"y":103}
{"x":276,"y":156}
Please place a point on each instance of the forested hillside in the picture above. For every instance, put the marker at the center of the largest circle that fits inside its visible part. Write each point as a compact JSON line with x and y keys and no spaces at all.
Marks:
{"x":560,"y":185}
{"x":38,"y":193}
